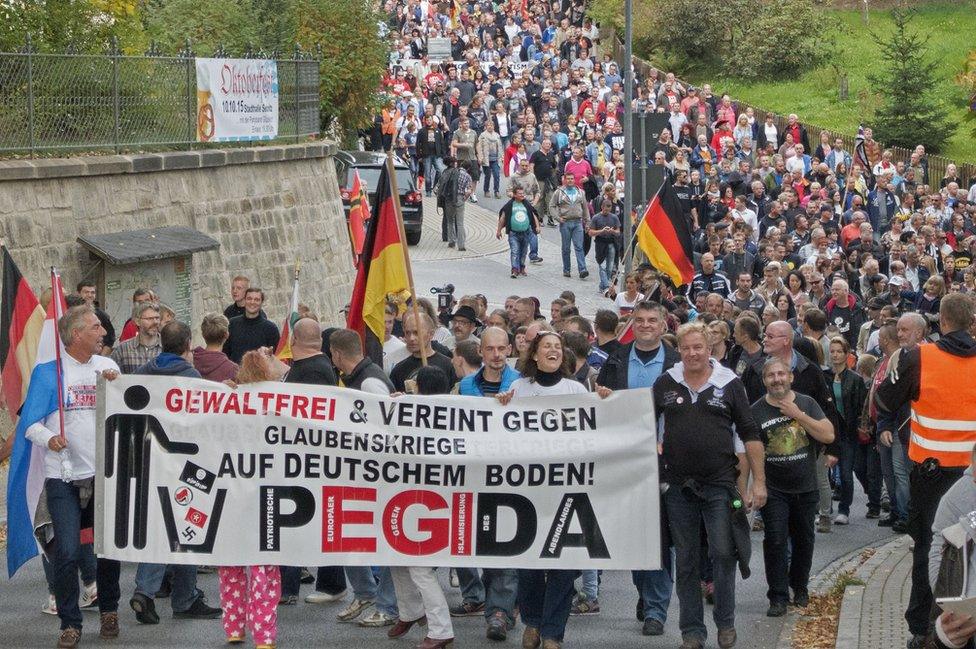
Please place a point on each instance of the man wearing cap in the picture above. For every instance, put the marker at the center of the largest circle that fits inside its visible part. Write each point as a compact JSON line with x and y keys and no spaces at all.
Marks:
{"x":463,"y":324}
{"x":893,"y":298}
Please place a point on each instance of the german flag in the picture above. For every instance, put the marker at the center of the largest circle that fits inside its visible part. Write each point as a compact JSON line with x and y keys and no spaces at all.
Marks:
{"x":382,"y":271}
{"x":21,"y":322}
{"x":664,"y":235}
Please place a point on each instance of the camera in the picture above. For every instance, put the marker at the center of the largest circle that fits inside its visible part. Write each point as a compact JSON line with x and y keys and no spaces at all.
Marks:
{"x":445,"y":297}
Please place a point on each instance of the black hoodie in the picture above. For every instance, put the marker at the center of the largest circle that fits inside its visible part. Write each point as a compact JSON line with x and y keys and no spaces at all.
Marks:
{"x":903,"y":385}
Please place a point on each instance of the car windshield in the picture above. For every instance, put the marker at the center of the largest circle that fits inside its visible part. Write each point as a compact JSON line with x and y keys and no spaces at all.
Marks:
{"x":371,"y":176}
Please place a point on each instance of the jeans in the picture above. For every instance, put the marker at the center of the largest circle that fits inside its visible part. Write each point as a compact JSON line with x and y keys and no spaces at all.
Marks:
{"x":533,"y":245}
{"x":365,"y":586}
{"x":433,"y":168}
{"x":590,"y":585}
{"x":455,"y":223}
{"x":545,"y":598}
{"x":330,"y":580}
{"x":926,"y":492}
{"x":496,"y":588}
{"x":685,"y":514}
{"x":149,"y":578}
{"x":788,"y":542}
{"x":64,"y":505}
{"x":859,"y":460}
{"x":898,"y":509}
{"x":572,"y":235}
{"x":654,"y":588}
{"x":901,"y":468}
{"x":87,"y":565}
{"x":607,"y":266}
{"x":518,"y":246}
{"x":493,"y":172}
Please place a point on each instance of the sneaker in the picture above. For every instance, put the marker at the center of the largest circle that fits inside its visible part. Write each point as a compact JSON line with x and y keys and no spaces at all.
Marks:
{"x":776,"y":609}
{"x":108,"y":626}
{"x":584,"y":274}
{"x":900,"y":527}
{"x":235,"y":639}
{"x":841,"y":519}
{"x":497,"y":195}
{"x":873,"y":512}
{"x":51,"y":607}
{"x":319,"y":597}
{"x":691,"y":643}
{"x":89,"y":596}
{"x":354,"y":610}
{"x":69,"y":638}
{"x":823,"y":524}
{"x":515,"y":275}
{"x":377,"y":619}
{"x":198,"y":611}
{"x":468,"y":609}
{"x":536,"y":260}
{"x":801,"y":600}
{"x":885,"y":503}
{"x":497,"y":628}
{"x":474,"y":198}
{"x":566,"y":273}
{"x":585,"y":606}
{"x":887,"y":521}
{"x":288,"y":600}
{"x":450,"y":244}
{"x":145,"y":609}
{"x":307,"y":577}
{"x":455,"y":582}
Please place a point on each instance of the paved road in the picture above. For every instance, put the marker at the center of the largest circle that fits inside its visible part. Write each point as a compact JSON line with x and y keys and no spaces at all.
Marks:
{"x":22,"y":625}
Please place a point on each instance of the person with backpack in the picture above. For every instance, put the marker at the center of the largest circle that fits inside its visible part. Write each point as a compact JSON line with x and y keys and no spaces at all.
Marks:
{"x":518,"y":219}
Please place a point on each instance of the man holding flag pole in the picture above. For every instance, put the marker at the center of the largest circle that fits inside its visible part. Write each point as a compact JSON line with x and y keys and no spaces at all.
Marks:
{"x":58,"y":417}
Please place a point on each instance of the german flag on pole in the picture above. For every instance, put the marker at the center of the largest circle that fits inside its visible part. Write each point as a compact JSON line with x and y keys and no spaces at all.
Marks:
{"x":382,"y":272}
{"x":21,"y":322}
{"x":664,"y":235}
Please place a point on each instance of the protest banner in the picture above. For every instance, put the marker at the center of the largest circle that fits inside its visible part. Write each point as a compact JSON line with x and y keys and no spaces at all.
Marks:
{"x":237,"y":100}
{"x":439,"y":49}
{"x":194,"y":472}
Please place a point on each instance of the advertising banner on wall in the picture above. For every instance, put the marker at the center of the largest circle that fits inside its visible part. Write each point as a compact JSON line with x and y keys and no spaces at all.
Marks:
{"x":194,"y":472}
{"x":237,"y":100}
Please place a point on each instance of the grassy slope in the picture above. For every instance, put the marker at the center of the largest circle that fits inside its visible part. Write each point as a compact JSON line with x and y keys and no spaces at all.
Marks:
{"x":951,"y":29}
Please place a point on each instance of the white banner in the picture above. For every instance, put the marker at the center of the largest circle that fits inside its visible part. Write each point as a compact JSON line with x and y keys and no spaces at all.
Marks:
{"x":193,"y":472}
{"x":237,"y":99}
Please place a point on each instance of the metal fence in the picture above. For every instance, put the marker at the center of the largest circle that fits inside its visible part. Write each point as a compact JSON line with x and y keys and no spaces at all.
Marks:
{"x":936,"y":164}
{"x":51,"y":103}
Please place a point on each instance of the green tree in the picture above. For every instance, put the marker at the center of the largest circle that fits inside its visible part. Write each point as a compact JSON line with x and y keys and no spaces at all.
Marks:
{"x":777,"y":42}
{"x":86,"y":26}
{"x":208,"y":25}
{"x":353,"y":57}
{"x":907,"y":82}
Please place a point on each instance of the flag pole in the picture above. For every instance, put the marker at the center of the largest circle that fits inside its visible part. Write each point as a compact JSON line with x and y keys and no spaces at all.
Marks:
{"x":391,"y":174}
{"x":59,"y":368}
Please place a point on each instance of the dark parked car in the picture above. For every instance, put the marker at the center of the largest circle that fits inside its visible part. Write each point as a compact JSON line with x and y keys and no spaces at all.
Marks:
{"x":369,"y":164}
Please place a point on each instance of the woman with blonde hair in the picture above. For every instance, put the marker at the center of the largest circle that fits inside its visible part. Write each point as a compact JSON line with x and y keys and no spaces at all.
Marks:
{"x":249,"y":594}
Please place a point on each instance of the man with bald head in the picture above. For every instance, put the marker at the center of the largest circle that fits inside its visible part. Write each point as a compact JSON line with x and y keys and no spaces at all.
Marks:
{"x":844,"y":311}
{"x":311,"y":367}
{"x":808,"y":379}
{"x":709,"y":280}
{"x":494,"y":591}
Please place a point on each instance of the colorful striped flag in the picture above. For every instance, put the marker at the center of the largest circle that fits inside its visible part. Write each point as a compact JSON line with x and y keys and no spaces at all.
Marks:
{"x":358,"y":216}
{"x":288,"y":327}
{"x":382,"y":271}
{"x":21,"y":321}
{"x":664,"y":234}
{"x":26,"y":479}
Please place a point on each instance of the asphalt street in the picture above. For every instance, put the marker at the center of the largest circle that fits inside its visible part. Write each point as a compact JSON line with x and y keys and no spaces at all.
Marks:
{"x":22,"y":625}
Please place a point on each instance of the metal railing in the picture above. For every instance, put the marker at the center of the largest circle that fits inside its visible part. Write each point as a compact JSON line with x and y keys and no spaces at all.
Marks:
{"x":936,"y":164}
{"x":63,"y":103}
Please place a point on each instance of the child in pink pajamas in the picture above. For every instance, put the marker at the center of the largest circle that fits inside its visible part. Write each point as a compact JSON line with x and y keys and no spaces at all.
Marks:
{"x":250,"y":594}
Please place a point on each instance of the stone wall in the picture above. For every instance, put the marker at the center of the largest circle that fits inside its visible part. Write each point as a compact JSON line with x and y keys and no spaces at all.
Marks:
{"x":268,"y":207}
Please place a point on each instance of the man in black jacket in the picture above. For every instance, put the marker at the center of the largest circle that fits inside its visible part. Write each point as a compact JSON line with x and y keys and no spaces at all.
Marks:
{"x":251,"y":330}
{"x":431,"y":148}
{"x":638,"y":365}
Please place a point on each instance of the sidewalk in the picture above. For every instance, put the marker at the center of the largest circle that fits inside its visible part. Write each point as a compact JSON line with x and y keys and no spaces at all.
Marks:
{"x":872,"y":615}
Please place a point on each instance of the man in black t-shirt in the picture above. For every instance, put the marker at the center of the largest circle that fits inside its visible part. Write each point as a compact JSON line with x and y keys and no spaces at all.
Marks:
{"x":418,"y":331}
{"x":790,"y":424}
{"x":544,"y":163}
